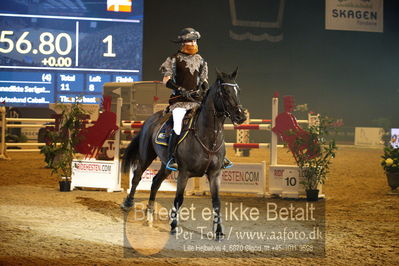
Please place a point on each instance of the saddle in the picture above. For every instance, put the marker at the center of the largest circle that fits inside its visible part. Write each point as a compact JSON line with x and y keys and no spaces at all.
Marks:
{"x":163,"y":134}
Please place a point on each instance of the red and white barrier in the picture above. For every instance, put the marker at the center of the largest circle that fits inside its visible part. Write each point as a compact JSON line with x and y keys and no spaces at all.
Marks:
{"x":254,"y":120}
{"x":248,"y":145}
{"x":247,"y":126}
{"x":140,"y":124}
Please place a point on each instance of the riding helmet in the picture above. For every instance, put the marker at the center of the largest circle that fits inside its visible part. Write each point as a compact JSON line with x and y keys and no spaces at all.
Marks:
{"x":187,"y":34}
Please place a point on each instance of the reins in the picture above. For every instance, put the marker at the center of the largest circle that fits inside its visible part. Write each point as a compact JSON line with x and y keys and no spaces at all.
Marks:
{"x":223,"y":113}
{"x":207,"y":150}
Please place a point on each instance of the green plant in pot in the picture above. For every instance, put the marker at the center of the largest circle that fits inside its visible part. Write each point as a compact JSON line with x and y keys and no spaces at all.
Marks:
{"x":390,"y":163}
{"x":62,"y":140}
{"x":313,"y":151}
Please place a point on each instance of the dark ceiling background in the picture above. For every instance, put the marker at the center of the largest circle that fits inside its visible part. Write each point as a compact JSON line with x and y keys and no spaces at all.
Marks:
{"x":344,"y":74}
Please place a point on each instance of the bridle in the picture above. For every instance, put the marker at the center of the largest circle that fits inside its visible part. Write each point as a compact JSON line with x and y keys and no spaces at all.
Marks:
{"x":215,"y":148}
{"x":219,"y":91}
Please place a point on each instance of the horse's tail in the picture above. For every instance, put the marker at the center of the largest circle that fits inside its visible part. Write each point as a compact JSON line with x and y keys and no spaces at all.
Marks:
{"x":131,"y":155}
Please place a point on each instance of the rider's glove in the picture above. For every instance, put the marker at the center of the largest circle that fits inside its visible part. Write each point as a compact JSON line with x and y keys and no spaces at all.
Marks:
{"x":184,"y":92}
{"x":171,"y":85}
{"x":205,"y":86}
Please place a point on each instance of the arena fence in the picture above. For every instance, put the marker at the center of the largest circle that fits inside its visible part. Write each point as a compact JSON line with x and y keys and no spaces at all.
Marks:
{"x":282,"y":180}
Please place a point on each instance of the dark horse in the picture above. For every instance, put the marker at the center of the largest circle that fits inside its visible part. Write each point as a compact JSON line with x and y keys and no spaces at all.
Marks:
{"x":201,"y":152}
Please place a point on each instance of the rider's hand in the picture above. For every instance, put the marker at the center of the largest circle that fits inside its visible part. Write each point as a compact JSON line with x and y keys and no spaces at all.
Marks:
{"x":205,"y":86}
{"x":171,"y":85}
{"x":195,"y":94}
{"x":184,"y":92}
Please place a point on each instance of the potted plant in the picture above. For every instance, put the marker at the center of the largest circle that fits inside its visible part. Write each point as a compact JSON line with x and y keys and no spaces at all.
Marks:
{"x":313,"y":151}
{"x":61,"y":141}
{"x":390,"y":163}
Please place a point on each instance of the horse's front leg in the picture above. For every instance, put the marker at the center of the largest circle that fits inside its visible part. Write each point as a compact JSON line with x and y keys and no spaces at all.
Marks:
{"x":181,"y":186}
{"x":214,"y":183}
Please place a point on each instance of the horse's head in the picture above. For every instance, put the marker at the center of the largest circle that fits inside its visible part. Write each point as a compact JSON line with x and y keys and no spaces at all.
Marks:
{"x":227,"y":97}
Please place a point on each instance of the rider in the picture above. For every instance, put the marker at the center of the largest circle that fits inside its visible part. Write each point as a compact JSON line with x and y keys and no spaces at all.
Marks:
{"x":186,"y":73}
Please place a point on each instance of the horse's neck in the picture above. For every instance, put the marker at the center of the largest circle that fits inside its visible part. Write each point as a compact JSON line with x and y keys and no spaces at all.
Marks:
{"x":210,"y":125}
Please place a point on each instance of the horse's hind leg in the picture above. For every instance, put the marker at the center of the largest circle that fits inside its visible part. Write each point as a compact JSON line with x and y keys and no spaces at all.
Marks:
{"x":129,"y":200}
{"x":138,"y":172}
{"x":156,"y":183}
{"x":181,"y":186}
{"x":217,"y":218}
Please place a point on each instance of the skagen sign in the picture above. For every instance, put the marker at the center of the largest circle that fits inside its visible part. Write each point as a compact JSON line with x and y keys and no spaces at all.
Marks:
{"x":355,"y":15}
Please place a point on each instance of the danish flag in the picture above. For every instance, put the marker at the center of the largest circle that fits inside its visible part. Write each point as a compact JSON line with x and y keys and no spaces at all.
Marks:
{"x":119,"y":5}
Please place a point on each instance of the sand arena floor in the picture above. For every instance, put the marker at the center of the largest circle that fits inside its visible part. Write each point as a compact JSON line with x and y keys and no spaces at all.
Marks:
{"x":40,"y":225}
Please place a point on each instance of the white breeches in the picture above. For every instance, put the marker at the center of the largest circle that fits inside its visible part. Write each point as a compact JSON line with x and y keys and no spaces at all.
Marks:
{"x":178,"y":115}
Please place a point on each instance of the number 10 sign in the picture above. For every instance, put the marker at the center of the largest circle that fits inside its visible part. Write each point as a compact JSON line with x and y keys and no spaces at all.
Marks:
{"x":285,"y":181}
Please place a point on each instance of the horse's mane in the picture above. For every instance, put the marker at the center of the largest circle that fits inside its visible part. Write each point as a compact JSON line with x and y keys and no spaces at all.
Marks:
{"x":209,"y":90}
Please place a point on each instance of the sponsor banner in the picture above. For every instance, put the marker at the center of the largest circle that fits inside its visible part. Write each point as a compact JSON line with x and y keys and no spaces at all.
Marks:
{"x":395,"y":137}
{"x":31,"y":133}
{"x":169,"y":184}
{"x":285,"y":181}
{"x":355,"y":15}
{"x":242,"y":177}
{"x":369,"y":136}
{"x":95,"y":174}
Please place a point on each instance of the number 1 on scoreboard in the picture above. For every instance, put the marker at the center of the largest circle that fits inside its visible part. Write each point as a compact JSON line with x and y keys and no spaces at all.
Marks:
{"x":108,"y":41}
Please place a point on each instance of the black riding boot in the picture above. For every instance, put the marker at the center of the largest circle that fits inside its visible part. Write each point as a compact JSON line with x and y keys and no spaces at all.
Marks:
{"x":172,"y":164}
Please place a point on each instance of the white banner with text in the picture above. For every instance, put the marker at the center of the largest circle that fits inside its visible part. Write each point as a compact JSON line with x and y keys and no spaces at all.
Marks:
{"x":355,"y":15}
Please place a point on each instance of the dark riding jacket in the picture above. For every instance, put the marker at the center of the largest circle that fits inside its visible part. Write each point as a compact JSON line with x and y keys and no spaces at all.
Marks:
{"x":189,"y":74}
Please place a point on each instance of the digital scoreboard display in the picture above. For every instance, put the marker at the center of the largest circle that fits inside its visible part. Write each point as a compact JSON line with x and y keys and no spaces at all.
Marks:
{"x":58,"y":51}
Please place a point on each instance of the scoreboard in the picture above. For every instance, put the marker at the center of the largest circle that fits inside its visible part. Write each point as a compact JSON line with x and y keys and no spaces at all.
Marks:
{"x":60,"y":51}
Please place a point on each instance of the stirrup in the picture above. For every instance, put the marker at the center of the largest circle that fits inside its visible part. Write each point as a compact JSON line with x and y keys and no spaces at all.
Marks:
{"x":170,"y":163}
{"x":227,"y":163}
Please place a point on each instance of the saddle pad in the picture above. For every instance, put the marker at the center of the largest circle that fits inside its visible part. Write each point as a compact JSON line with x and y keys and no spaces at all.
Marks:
{"x":166,"y":128}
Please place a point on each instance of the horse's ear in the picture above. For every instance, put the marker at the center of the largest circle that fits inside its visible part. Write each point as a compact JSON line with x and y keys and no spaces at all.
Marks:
{"x":218,"y":73}
{"x":234,"y":74}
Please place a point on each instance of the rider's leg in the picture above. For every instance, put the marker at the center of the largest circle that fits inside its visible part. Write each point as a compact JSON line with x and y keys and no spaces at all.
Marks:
{"x":172,"y":165}
{"x":178,"y":115}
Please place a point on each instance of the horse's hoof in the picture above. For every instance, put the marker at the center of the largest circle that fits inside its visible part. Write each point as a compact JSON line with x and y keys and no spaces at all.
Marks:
{"x":219,"y":237}
{"x":173,"y":227}
{"x":173,"y":231}
{"x":127,"y":204}
{"x":125,"y":208}
{"x":148,"y":223}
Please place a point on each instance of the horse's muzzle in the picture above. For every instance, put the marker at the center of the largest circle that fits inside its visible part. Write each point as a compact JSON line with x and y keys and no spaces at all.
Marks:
{"x":239,"y":116}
